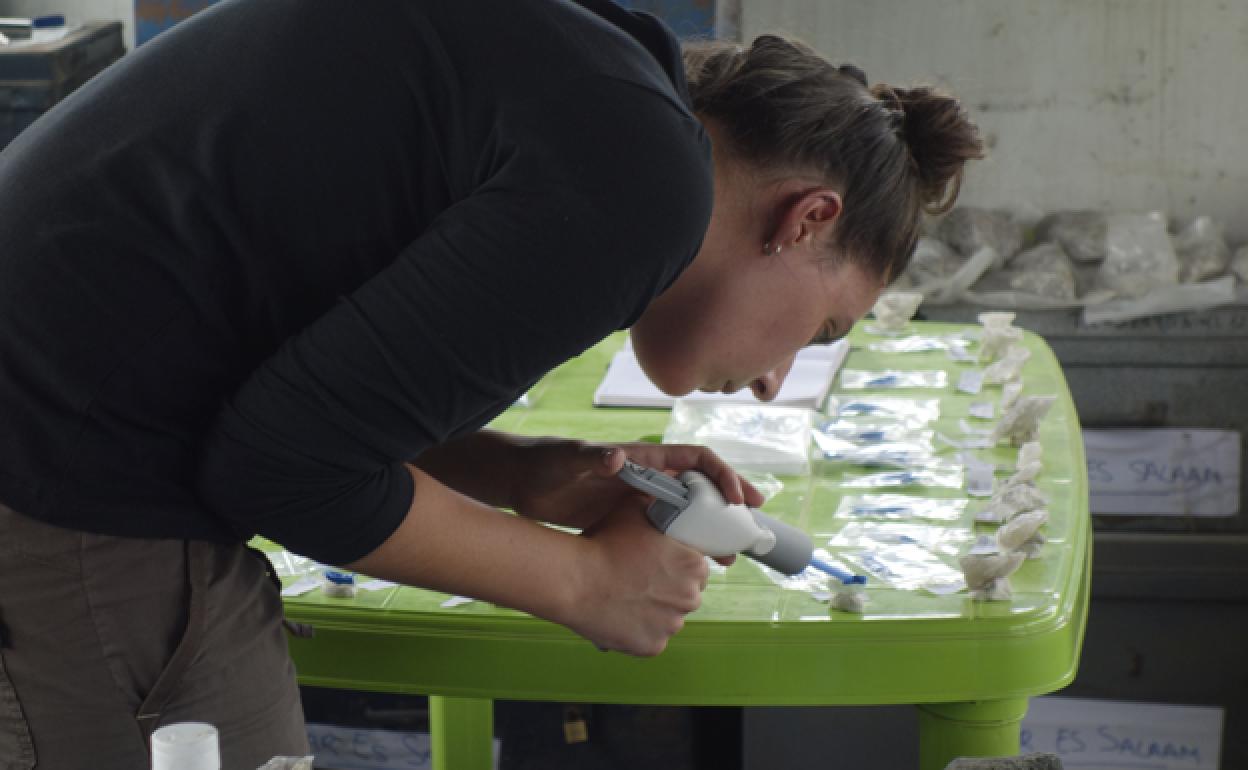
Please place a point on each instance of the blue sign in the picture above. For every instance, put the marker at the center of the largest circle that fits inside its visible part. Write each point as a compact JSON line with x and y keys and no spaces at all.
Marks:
{"x":687,"y":18}
{"x":151,"y":17}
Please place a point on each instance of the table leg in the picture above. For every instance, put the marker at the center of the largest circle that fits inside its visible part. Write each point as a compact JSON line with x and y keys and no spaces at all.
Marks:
{"x":980,"y":729}
{"x":461,"y":732}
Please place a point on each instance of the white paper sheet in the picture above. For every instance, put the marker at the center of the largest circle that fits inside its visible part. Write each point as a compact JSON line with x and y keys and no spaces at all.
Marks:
{"x":625,"y":384}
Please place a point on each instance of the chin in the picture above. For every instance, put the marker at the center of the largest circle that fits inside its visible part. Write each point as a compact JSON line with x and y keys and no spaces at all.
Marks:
{"x":670,"y":380}
{"x":670,"y":386}
{"x":675,"y":391}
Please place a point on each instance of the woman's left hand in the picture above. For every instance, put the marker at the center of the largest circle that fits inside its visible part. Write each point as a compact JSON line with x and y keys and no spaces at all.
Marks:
{"x":573,"y":483}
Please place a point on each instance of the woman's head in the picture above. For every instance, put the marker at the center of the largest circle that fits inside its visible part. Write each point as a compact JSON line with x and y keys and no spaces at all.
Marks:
{"x":893,"y":154}
{"x":820,"y":188}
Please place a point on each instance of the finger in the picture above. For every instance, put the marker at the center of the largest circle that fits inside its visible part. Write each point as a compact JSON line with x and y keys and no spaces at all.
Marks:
{"x":726,"y":561}
{"x":704,"y":575}
{"x":683,"y":457}
{"x":607,"y":460}
{"x":729,"y":483}
{"x":753,"y":497}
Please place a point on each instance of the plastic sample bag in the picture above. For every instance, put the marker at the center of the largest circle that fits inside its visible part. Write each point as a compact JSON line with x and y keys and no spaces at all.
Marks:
{"x":1021,"y":422}
{"x":941,"y":540}
{"x":1202,"y":251}
{"x":893,"y":310}
{"x":936,"y":474}
{"x":1009,"y":368}
{"x":915,"y":412}
{"x":1022,"y":530}
{"x":1081,"y":234}
{"x":864,"y":433}
{"x":901,"y":508}
{"x":1011,"y":500}
{"x":1139,"y":255}
{"x":1044,"y":271}
{"x":1180,"y":298}
{"x":998,"y":336}
{"x":967,"y":229}
{"x":1239,"y":263}
{"x":760,"y":438}
{"x":958,"y":344}
{"x":986,"y":569}
{"x":932,"y":263}
{"x":956,"y":287}
{"x":906,"y":566}
{"x":914,"y":451}
{"x":862,"y":379}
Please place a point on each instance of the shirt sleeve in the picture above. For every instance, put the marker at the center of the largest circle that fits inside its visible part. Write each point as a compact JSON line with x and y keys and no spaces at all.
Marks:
{"x":593,"y":202}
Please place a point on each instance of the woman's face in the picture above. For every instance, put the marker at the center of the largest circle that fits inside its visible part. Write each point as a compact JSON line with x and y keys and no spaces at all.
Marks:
{"x":736,"y":317}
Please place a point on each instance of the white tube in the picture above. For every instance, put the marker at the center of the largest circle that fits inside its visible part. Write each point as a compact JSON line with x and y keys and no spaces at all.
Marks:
{"x":186,"y":746}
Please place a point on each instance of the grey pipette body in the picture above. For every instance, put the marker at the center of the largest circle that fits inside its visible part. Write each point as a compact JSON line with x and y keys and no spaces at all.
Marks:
{"x":692,"y":510}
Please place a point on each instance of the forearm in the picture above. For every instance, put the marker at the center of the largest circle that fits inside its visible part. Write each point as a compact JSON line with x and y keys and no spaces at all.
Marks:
{"x":481,"y":465}
{"x":623,"y":585}
{"x":450,"y":542}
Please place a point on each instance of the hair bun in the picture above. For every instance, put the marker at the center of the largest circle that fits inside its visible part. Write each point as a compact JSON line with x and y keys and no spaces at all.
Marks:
{"x":779,"y":107}
{"x":850,"y":71}
{"x":941,"y":138}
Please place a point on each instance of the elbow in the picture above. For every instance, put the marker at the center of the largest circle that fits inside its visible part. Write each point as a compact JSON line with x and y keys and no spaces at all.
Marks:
{"x":332,"y":514}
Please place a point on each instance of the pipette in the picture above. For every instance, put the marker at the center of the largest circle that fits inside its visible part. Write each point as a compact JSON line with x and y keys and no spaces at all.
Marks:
{"x":691,"y":509}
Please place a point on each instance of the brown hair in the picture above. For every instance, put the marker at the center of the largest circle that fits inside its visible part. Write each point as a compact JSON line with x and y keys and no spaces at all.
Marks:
{"x":893,"y":153}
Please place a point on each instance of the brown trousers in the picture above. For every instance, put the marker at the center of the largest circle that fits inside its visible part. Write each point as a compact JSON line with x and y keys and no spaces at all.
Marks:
{"x":104,"y":639}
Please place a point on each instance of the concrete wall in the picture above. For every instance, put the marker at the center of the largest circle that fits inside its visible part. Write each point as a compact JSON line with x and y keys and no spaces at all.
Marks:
{"x":1120,"y":104}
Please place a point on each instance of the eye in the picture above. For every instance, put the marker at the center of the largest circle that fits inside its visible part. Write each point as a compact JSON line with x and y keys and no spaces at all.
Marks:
{"x":827,"y":334}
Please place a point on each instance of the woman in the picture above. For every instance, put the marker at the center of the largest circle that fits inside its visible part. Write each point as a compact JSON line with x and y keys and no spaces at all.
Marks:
{"x":268,"y":275}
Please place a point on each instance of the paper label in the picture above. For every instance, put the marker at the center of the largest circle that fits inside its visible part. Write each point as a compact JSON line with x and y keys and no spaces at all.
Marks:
{"x":1097,"y":734}
{"x":1163,"y":471}
{"x":982,"y":410}
{"x":960,"y":353}
{"x":979,"y":480}
{"x":971,"y":381}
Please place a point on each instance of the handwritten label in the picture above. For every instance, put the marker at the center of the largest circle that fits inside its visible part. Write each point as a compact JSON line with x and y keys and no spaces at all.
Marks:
{"x":1163,"y":472}
{"x":348,"y":748}
{"x":1096,"y":734}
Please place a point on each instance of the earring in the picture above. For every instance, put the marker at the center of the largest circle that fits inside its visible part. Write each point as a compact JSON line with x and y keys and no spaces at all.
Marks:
{"x":770,"y":251}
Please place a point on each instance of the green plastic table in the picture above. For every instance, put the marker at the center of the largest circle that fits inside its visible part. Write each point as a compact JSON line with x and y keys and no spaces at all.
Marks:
{"x":968,"y":666}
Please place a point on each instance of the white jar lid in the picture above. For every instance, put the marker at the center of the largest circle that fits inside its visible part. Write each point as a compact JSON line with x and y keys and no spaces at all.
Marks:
{"x":186,"y":746}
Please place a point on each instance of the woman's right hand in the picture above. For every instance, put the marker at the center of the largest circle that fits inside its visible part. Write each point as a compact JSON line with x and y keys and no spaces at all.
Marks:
{"x":638,"y":584}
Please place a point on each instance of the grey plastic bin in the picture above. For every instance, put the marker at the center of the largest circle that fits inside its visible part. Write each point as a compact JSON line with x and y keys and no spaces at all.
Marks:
{"x":35,"y":76}
{"x":1183,"y":370}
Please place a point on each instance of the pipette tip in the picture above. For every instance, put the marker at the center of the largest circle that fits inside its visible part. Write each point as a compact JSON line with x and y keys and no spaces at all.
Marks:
{"x":846,"y":578}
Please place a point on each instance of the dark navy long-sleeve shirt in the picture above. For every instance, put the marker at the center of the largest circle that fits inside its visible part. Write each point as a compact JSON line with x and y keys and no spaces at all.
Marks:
{"x":257,"y":265}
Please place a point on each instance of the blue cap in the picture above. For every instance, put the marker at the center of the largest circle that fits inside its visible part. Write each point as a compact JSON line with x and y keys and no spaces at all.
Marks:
{"x":340,"y":578}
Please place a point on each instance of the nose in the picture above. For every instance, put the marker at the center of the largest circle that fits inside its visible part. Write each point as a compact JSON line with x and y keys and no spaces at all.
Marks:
{"x":766,"y":387}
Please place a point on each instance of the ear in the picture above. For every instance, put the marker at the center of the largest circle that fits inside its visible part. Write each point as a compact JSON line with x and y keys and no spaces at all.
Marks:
{"x":806,"y":217}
